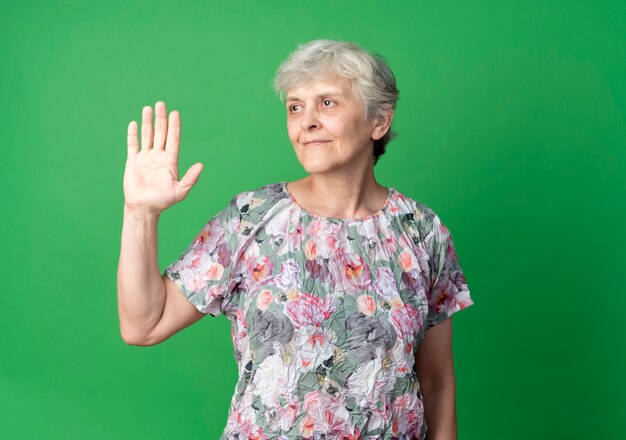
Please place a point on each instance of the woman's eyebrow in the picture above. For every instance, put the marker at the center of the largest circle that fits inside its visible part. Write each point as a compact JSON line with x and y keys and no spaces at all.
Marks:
{"x":321,"y":95}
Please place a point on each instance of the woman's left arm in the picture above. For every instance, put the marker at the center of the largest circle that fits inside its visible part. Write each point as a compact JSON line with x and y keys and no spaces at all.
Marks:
{"x":435,"y":372}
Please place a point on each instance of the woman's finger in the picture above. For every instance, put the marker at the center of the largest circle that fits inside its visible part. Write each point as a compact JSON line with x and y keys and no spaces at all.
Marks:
{"x":160,"y":125}
{"x":146,"y":128}
{"x":132,"y":141}
{"x":190,"y":178}
{"x":173,"y":133}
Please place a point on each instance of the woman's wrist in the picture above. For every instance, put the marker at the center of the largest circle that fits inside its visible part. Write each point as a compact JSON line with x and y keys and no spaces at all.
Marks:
{"x":140,"y":212}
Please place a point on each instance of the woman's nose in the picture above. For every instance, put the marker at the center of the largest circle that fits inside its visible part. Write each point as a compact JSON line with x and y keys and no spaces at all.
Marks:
{"x":309,"y":120}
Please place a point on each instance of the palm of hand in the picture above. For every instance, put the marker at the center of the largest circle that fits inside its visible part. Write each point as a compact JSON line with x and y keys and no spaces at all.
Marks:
{"x":151,"y":175}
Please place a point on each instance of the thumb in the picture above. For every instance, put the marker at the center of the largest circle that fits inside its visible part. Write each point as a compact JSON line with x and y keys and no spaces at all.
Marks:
{"x":191,"y":177}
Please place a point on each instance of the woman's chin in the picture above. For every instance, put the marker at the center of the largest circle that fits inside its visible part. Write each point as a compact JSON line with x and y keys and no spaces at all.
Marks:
{"x":316,"y":167}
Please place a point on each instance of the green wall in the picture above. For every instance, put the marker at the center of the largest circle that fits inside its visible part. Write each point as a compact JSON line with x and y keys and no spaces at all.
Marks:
{"x":511,"y":122}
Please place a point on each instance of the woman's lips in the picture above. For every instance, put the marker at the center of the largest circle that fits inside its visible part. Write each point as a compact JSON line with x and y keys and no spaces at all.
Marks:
{"x":313,"y":143}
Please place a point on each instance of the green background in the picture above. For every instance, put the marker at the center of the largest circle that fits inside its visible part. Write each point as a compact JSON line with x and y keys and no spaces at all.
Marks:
{"x":511,"y":122}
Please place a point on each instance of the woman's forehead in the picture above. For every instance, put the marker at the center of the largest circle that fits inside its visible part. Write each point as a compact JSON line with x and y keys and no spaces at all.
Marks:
{"x":321,"y":87}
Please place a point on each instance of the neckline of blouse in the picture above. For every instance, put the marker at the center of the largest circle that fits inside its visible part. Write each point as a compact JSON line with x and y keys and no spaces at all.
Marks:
{"x":378,"y":213}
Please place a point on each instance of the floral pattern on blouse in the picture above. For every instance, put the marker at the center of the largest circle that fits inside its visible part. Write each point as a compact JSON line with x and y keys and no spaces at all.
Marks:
{"x":327,"y":314}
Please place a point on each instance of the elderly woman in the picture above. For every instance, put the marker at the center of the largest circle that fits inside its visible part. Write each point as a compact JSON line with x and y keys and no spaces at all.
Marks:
{"x":340,"y":290}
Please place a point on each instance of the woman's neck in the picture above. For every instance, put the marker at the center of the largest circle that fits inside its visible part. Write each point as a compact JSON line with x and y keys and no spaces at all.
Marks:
{"x":340,"y":195}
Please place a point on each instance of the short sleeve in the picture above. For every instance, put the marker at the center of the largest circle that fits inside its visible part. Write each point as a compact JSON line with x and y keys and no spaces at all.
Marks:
{"x":448,"y":292}
{"x":203,"y":270}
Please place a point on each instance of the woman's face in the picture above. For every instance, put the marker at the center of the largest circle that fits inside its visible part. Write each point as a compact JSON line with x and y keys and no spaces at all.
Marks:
{"x":327,"y":127}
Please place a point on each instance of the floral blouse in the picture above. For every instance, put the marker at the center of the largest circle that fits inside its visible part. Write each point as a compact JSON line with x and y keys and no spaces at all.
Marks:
{"x":327,"y":313}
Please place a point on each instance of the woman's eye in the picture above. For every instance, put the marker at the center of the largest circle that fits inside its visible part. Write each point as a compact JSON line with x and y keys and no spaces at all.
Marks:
{"x":327,"y":103}
{"x":294,"y":108}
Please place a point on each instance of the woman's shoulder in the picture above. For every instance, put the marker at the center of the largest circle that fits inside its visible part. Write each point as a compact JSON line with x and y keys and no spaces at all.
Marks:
{"x":415,"y":209}
{"x":419,"y":219}
{"x":253,"y":204}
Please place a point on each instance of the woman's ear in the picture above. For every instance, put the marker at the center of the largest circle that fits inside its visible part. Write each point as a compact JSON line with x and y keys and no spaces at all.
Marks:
{"x":382,"y":124}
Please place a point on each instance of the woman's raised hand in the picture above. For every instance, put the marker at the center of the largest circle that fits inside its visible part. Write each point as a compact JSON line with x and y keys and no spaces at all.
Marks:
{"x":151,"y":175}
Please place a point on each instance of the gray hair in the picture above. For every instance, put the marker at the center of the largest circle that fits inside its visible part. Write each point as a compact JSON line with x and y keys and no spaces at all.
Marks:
{"x":372,"y":80}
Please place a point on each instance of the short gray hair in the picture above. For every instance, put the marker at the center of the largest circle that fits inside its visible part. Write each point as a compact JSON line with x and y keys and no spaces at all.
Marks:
{"x":372,"y":80}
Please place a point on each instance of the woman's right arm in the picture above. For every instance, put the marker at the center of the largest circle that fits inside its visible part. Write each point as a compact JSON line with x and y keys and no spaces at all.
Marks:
{"x":151,"y":307}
